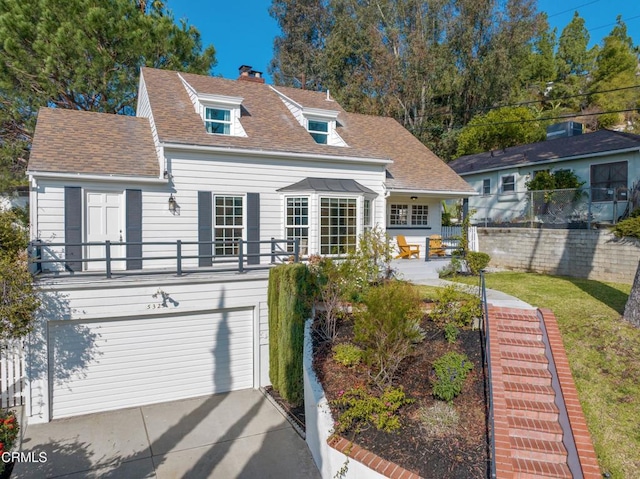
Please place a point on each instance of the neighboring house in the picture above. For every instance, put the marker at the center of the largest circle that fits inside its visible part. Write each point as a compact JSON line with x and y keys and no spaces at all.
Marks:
{"x":211,"y":170}
{"x":608,"y":162}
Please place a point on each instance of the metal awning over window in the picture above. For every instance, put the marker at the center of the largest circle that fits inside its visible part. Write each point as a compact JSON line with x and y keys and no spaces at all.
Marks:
{"x":328,"y":185}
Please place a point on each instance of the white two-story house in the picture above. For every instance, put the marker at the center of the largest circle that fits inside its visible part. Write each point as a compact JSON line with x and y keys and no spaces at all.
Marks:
{"x":153,"y":234}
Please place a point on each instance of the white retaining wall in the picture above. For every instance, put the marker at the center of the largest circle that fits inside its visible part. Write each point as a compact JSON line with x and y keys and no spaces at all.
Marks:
{"x":319,"y":425}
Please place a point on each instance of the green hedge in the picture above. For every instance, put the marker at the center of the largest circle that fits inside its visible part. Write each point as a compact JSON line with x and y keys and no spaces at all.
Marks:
{"x":290,"y":297}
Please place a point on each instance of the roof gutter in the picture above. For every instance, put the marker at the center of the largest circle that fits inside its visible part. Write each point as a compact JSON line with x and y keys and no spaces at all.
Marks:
{"x":47,"y":175}
{"x":554,"y":160}
{"x":450,"y":193}
{"x":276,"y":154}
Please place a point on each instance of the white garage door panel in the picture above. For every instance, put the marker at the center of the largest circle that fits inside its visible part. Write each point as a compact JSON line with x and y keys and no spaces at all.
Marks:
{"x":143,"y":361}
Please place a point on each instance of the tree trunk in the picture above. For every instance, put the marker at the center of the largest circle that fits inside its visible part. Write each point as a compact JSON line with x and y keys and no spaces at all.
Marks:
{"x":632,"y":309}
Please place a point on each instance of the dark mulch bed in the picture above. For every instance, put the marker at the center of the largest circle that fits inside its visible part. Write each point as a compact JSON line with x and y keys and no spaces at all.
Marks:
{"x":462,"y":454}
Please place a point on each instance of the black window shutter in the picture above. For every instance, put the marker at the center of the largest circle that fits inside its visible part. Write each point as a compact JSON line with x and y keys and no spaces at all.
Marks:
{"x":205,"y":227}
{"x":134,"y":228}
{"x":253,"y":228}
{"x":73,"y":227}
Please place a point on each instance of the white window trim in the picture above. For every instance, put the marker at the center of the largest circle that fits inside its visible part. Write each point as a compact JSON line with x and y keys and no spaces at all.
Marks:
{"x":242,"y":227}
{"x":515,"y":184}
{"x":409,"y":223}
{"x":482,"y":192}
{"x":221,"y":102}
{"x":309,"y":218}
{"x":319,"y":198}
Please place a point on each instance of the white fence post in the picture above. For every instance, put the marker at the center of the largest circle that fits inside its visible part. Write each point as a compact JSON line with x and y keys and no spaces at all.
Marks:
{"x":12,"y":374}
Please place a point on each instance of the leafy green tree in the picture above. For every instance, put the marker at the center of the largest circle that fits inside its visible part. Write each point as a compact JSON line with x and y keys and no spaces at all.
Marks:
{"x":558,"y":180}
{"x":572,"y":56}
{"x":85,"y":55}
{"x":500,"y":128}
{"x":298,"y":51}
{"x":543,"y":67}
{"x":18,"y":298}
{"x":427,"y":64}
{"x":615,"y":69}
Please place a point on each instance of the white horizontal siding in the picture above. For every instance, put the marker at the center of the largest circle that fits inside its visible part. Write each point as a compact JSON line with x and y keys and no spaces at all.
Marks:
{"x":110,"y":298}
{"x":220,"y":175}
{"x":143,"y":361}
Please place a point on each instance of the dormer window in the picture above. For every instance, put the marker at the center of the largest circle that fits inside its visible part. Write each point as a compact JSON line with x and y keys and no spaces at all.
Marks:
{"x":217,"y":120}
{"x":221,"y":114}
{"x":319,"y":131}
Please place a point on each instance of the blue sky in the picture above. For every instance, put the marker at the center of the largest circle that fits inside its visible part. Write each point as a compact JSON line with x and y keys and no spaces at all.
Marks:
{"x":243,"y":32}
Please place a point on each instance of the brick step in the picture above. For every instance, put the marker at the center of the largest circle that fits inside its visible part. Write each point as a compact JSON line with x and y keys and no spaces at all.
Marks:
{"x":528,"y":469}
{"x":534,"y":428}
{"x":533,"y":322}
{"x":509,"y":358}
{"x":537,"y":450}
{"x":519,"y":332}
{"x":521,"y":346}
{"x":538,"y":376}
{"x":531,"y":392}
{"x":544,"y":410}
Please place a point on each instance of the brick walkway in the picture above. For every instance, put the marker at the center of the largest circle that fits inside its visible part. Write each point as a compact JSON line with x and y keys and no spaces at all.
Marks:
{"x":539,"y":427}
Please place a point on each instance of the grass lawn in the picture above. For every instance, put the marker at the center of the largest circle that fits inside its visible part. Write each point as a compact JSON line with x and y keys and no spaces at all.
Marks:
{"x":604,"y":355}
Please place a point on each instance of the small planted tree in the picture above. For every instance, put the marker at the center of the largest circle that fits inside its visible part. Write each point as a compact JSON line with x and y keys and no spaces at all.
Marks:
{"x":388,"y":327}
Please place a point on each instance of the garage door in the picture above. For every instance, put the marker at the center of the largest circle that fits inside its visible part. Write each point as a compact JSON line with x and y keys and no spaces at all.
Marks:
{"x":104,"y":365}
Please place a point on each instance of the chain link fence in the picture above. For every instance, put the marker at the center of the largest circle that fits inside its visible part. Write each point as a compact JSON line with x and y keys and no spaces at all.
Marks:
{"x":570,"y":208}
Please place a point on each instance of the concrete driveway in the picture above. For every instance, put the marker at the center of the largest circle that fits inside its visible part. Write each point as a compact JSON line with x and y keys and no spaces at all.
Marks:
{"x":233,"y":435}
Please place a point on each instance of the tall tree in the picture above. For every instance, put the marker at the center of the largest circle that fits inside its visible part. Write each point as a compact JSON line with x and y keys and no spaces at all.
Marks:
{"x":298,"y":51}
{"x":573,"y":56}
{"x":429,"y":64}
{"x":615,"y":70}
{"x":81,"y":54}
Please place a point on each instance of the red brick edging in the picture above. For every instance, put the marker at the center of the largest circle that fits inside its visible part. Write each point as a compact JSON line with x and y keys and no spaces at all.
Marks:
{"x":369,"y":459}
{"x":581,"y":436}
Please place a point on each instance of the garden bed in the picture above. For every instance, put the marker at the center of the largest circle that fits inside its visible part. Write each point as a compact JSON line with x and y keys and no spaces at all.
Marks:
{"x":461,"y":451}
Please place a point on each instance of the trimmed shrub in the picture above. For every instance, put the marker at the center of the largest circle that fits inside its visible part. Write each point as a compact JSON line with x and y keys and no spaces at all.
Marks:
{"x":451,"y":370}
{"x":358,"y":408}
{"x":387,"y":328}
{"x":456,"y":307}
{"x":290,"y":298}
{"x":629,"y":227}
{"x":347,"y":354}
{"x":477,"y":261}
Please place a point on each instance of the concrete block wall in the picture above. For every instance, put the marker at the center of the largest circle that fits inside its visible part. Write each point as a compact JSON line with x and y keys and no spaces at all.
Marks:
{"x":590,"y":254}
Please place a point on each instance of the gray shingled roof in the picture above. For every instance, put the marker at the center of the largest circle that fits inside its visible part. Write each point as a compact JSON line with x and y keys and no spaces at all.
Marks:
{"x":328,"y":184}
{"x":575,"y":146}
{"x":270,"y":126}
{"x":71,"y":141}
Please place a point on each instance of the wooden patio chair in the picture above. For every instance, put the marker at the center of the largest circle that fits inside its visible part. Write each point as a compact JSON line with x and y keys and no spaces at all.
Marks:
{"x":407,"y":250}
{"x":436,"y":248}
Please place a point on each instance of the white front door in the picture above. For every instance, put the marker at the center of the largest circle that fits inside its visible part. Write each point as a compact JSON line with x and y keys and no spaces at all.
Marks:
{"x":104,"y":223}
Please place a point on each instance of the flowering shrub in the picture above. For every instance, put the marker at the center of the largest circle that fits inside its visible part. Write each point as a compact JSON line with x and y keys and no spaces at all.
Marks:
{"x":358,"y":409}
{"x":8,"y":432}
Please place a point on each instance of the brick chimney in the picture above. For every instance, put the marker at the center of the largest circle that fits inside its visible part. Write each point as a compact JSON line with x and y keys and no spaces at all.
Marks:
{"x":247,"y":73}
